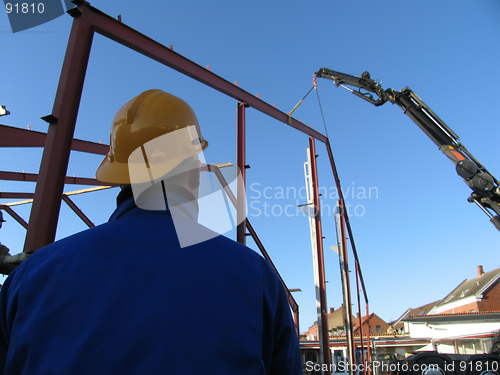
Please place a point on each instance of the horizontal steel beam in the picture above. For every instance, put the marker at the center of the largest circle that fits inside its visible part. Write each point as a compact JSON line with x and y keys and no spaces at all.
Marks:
{"x":16,"y":137}
{"x":125,"y":35}
{"x":28,"y":196}
{"x":33,"y":177}
{"x":10,"y":195}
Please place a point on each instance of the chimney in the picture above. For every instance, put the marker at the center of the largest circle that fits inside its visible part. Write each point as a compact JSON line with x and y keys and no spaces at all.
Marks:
{"x":480,"y":271}
{"x":332,"y":310}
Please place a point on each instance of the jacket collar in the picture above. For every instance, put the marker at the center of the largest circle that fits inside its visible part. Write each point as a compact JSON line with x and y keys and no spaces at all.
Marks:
{"x":179,"y":202}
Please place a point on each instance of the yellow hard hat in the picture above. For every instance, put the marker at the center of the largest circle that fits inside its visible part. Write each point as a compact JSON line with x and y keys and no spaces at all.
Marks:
{"x":147,"y":117}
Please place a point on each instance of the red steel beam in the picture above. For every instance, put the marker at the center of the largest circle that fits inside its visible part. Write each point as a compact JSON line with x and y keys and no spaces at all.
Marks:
{"x":320,"y":256}
{"x":368,"y":344}
{"x":14,"y":215}
{"x":232,"y":198}
{"x":344,"y":223}
{"x":343,"y":213}
{"x":291,"y":300}
{"x":79,"y":212}
{"x":296,"y":321}
{"x":16,"y":137}
{"x":345,"y":260}
{"x":293,"y":304}
{"x":123,"y":34}
{"x":33,"y":177}
{"x":54,"y":164}
{"x":241,"y":161}
{"x":10,"y":195}
{"x":360,"y":314}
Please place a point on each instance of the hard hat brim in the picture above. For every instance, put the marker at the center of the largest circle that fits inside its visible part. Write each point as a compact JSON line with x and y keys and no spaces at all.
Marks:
{"x":119,"y":173}
{"x":113,"y":172}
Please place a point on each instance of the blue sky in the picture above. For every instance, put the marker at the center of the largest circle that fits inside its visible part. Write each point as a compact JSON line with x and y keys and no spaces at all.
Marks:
{"x":416,"y":235}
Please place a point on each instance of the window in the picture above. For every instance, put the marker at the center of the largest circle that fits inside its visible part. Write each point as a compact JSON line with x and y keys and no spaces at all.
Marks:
{"x":378,"y":328}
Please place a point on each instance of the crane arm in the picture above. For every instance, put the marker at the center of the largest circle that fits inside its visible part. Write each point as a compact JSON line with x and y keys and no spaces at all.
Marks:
{"x":485,"y":187}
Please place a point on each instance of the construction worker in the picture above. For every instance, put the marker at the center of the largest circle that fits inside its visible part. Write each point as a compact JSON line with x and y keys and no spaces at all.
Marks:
{"x":151,"y":291}
{"x":9,"y":262}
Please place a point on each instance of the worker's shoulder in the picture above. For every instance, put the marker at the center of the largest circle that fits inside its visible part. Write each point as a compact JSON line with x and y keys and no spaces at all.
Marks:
{"x":232,"y":248}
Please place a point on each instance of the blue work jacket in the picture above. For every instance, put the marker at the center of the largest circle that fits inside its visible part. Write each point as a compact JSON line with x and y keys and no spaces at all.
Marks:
{"x":125,"y":298}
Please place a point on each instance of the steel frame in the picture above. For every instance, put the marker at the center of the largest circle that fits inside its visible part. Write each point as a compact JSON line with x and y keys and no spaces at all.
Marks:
{"x":325,"y":344}
{"x":344,"y":223}
{"x":58,"y":142}
{"x":65,"y":197}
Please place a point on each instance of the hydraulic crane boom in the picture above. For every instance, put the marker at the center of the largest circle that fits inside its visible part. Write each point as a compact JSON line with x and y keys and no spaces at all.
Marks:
{"x":485,"y":187}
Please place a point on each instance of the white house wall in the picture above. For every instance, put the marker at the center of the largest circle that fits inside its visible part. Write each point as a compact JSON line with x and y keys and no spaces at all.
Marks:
{"x":450,"y":330}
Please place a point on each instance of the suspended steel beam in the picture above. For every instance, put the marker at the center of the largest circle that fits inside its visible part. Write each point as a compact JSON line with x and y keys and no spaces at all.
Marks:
{"x":344,"y":223}
{"x":344,"y":214}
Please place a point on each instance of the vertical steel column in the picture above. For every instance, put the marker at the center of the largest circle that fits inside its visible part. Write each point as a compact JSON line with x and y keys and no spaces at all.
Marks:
{"x":347,"y":317}
{"x":345,"y":259}
{"x":54,"y":164}
{"x":296,"y":320}
{"x":241,"y":161}
{"x":361,"y":319}
{"x":368,"y":344}
{"x":321,"y":262}
{"x":344,"y":223}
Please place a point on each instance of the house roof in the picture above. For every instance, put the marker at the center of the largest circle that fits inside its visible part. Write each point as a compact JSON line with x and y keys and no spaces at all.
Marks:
{"x":364,"y":321}
{"x":418,"y":311}
{"x":335,"y":319}
{"x":478,"y":317}
{"x":474,"y":287}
